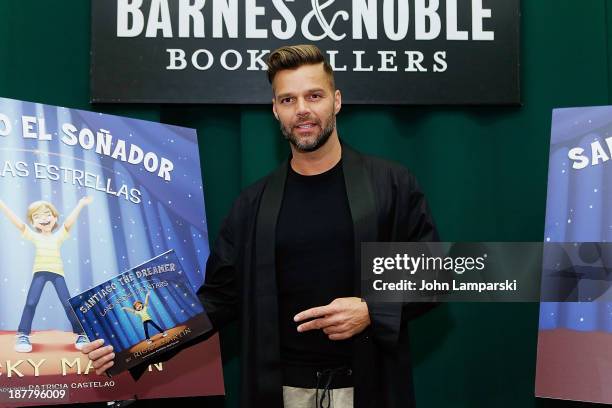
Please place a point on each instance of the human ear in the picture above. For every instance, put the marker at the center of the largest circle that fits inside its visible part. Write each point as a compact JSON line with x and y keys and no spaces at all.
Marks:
{"x":338,"y":101}
{"x":274,"y":108}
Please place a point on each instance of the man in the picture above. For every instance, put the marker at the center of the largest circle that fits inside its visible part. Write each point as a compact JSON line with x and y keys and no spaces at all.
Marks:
{"x":287,"y":259}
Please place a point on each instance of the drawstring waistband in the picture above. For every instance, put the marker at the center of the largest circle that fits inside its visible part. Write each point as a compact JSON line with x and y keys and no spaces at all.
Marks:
{"x":326,"y":377}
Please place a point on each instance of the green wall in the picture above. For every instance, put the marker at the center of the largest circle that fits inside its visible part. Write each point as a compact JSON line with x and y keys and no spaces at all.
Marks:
{"x":484,"y":170}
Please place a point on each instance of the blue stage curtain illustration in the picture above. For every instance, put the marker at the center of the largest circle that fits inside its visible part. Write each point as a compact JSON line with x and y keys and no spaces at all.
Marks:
{"x":577,"y":210}
{"x":169,"y":306}
{"x":112,"y":234}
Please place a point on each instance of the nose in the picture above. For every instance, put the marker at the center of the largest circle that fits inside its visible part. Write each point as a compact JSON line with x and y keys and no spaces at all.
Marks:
{"x":302,"y":107}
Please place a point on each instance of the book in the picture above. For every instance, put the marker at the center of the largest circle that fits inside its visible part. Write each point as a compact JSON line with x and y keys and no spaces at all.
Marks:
{"x":143,"y":312}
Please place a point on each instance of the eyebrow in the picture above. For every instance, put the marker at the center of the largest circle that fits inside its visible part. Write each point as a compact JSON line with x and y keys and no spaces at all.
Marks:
{"x":280,"y":96}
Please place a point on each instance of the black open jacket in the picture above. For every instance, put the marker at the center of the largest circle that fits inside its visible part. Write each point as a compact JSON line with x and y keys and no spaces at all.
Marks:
{"x":386,"y":205}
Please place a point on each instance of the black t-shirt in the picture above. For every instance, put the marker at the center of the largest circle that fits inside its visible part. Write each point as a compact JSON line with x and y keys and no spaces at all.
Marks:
{"x":315,"y":262}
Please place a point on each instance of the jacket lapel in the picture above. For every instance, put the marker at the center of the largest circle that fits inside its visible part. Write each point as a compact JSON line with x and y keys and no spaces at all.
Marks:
{"x":265,"y":302}
{"x":362,"y":204}
{"x":363,"y":211}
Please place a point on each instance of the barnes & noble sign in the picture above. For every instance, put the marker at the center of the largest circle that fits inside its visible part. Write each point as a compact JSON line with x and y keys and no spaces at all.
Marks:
{"x":383,"y":51}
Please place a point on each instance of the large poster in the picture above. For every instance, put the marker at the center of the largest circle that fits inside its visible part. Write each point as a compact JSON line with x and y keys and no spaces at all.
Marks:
{"x":83,"y":197}
{"x":383,"y":51}
{"x":575,"y":336}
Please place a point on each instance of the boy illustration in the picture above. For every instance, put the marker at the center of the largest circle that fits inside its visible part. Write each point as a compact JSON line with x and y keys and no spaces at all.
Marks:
{"x":48,"y":264}
{"x":140,"y":310}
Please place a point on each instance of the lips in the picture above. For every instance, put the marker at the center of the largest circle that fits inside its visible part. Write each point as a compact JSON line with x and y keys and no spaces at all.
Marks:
{"x":305,"y":125}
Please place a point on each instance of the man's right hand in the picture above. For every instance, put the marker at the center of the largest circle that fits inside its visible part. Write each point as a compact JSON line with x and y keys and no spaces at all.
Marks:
{"x":101,"y":357}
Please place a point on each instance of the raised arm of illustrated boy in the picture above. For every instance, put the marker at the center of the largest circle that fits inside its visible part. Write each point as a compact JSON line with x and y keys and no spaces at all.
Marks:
{"x":12,"y":217}
{"x":128,"y":309}
{"x":77,"y":210}
{"x":147,"y":299}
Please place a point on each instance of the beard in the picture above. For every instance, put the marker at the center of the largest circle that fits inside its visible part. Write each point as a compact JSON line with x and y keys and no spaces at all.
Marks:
{"x":306,"y":146}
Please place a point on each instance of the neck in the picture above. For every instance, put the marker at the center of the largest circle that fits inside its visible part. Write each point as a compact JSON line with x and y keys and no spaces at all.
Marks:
{"x":319,"y":161}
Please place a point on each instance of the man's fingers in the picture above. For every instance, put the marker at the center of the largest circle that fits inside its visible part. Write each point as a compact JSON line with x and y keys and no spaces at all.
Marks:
{"x":313,"y":313}
{"x":311,"y":325}
{"x":89,"y":347}
{"x":101,"y":352}
{"x":334,"y":329}
{"x":339,"y":336}
{"x":316,"y":324}
{"x":103,"y":360}
{"x":106,"y":366}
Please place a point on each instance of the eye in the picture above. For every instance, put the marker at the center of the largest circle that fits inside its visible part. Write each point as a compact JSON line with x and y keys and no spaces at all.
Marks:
{"x":315,"y":97}
{"x":286,"y":100}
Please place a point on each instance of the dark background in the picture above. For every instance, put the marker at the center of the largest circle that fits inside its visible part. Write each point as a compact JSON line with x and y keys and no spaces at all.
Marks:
{"x":484,"y":170}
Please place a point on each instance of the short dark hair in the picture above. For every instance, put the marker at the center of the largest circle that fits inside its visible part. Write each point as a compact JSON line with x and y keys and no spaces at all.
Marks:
{"x":294,"y":56}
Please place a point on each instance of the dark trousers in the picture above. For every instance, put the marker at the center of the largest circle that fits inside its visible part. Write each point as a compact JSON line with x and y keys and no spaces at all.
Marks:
{"x":36,"y":287}
{"x":146,"y":324}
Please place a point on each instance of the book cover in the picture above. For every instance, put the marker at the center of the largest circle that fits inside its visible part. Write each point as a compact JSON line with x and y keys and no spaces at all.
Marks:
{"x":143,"y":312}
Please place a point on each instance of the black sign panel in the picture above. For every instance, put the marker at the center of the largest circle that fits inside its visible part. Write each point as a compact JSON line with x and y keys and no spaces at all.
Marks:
{"x":383,"y":51}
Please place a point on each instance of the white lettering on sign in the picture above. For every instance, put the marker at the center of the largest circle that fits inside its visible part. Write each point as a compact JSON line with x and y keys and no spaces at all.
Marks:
{"x":261,"y":20}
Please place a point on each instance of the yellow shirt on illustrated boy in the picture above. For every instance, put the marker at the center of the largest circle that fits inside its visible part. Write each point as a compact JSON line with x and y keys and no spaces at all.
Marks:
{"x":47,"y":257}
{"x":143,"y":314}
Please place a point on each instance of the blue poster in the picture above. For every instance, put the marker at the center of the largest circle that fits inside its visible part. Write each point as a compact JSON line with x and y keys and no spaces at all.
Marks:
{"x":574,"y":355}
{"x":83,"y":197}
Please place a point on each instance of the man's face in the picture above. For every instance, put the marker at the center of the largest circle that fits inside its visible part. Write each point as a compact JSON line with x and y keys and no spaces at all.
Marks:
{"x":44,"y":220}
{"x":306,"y":105}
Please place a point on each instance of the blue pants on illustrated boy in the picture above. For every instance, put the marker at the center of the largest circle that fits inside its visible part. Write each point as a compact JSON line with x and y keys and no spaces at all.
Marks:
{"x":140,"y":310}
{"x":47,"y":237}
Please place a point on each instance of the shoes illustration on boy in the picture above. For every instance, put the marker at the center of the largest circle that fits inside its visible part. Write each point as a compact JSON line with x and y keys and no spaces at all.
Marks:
{"x":81,"y":341}
{"x":22,"y":343}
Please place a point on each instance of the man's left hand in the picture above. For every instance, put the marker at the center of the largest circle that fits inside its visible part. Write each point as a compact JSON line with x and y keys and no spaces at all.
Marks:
{"x":341,"y":319}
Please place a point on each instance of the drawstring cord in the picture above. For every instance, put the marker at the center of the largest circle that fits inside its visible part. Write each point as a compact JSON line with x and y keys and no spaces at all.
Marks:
{"x":327,"y":393}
